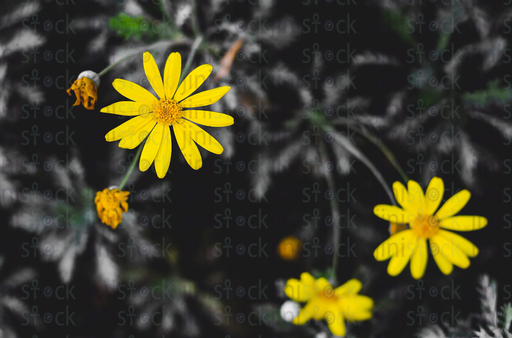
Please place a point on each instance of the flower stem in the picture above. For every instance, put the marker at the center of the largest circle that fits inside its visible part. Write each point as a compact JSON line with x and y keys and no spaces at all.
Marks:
{"x":193,"y":50}
{"x":336,"y":233}
{"x":104,"y":71}
{"x":345,"y":143}
{"x":131,"y":167}
{"x":386,"y":151}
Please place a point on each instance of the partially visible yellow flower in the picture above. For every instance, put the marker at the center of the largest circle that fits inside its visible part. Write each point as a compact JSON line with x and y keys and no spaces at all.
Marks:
{"x":289,"y":248}
{"x":419,"y":212}
{"x":155,"y":116}
{"x":335,"y":305}
{"x":110,"y":205}
{"x":86,"y":89}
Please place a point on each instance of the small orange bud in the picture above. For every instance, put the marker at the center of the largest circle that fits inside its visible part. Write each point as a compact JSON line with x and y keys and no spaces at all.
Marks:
{"x":289,"y":248}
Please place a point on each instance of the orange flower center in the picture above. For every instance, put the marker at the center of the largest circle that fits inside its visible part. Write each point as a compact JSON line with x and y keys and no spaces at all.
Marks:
{"x":327,"y":294}
{"x":425,"y":226}
{"x":167,"y":111}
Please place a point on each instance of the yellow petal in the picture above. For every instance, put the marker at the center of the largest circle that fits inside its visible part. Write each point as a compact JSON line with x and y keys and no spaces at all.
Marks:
{"x":306,"y":313}
{"x":444,"y":265}
{"x":358,"y":308}
{"x":134,"y":92}
{"x":307,"y":280}
{"x":402,"y":196}
{"x":434,"y":195}
{"x":153,"y":74}
{"x":172,"y":73}
{"x":393,"y":213}
{"x":127,"y":108}
{"x":163,"y":156}
{"x":419,"y":259}
{"x":349,"y":289}
{"x":463,"y":223}
{"x":321,"y":284}
{"x":128,"y":128}
{"x":449,"y":251}
{"x":416,"y":197}
{"x":205,"y":98}
{"x":401,"y":258}
{"x":201,"y":137}
{"x":459,"y":242}
{"x":454,"y":204}
{"x":337,"y":325}
{"x":208,"y":118}
{"x":393,"y":245}
{"x":193,"y":81}
{"x":298,"y":291}
{"x":188,"y":147}
{"x":151,"y":147}
{"x":139,"y":134}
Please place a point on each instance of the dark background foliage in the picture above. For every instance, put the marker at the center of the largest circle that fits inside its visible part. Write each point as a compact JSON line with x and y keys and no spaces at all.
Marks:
{"x":303,"y":128}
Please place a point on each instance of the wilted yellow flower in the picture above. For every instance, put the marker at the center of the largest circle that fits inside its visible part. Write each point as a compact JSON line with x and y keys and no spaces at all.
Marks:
{"x":335,"y":305}
{"x":110,"y":204}
{"x":419,"y":212}
{"x":155,"y":116}
{"x":289,"y":248}
{"x":86,"y":89}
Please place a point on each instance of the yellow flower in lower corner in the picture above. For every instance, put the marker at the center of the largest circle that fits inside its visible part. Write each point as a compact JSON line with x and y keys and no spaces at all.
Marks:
{"x":110,"y":205}
{"x":324,"y":302}
{"x":425,"y":224}
{"x":155,"y":116}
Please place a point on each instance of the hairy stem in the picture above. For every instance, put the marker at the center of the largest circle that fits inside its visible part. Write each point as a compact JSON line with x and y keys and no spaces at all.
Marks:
{"x":129,"y":172}
{"x":336,"y":233}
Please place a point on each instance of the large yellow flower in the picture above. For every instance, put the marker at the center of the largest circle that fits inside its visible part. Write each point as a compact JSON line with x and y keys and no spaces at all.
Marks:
{"x":419,"y":212}
{"x":335,"y":305}
{"x":156,"y":115}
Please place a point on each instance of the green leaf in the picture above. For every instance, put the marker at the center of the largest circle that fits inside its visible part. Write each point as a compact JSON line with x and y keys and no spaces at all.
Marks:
{"x":493,"y":94}
{"x":141,"y":27}
{"x":398,"y":23}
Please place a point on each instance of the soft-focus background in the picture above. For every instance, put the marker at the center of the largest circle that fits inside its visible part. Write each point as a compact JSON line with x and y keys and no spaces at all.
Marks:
{"x":326,"y":96}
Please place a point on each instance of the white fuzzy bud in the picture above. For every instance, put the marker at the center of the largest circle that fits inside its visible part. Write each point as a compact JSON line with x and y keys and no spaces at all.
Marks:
{"x":91,"y":75}
{"x":289,"y":310}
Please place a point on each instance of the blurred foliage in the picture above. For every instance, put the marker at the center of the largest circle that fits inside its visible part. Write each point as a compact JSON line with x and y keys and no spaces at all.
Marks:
{"x":142,"y":28}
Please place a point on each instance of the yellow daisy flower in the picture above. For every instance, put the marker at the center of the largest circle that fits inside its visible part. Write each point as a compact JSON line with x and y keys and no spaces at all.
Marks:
{"x":335,"y":305}
{"x":154,"y":115}
{"x":110,"y":205}
{"x":419,"y":212}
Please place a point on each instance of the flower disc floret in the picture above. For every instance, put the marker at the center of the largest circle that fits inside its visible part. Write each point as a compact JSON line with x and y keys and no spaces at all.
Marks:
{"x":167,"y":112}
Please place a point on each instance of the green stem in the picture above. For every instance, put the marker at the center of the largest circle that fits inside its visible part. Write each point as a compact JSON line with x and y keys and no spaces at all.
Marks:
{"x":193,"y":18}
{"x":104,"y":71}
{"x":193,"y":50}
{"x":335,"y":215}
{"x":386,"y":151}
{"x":345,"y":143}
{"x":135,"y":160}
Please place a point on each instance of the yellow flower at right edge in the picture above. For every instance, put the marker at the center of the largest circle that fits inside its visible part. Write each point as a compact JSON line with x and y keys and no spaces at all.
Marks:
{"x":424,"y":223}
{"x":335,"y":305}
